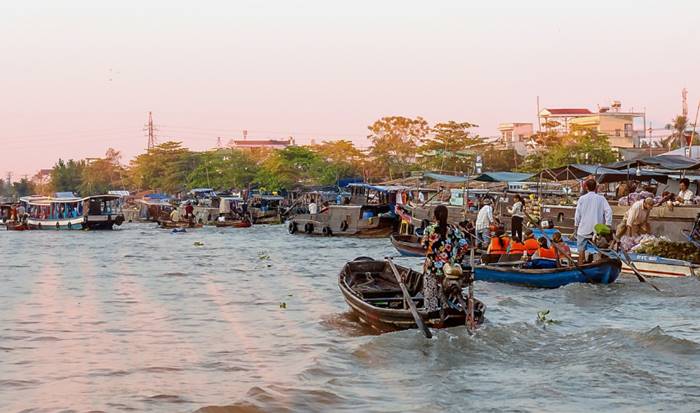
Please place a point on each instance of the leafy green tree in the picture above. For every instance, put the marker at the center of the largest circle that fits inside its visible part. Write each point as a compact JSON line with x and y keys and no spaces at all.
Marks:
{"x":67,"y":176}
{"x":448,"y":149}
{"x":342,"y":156}
{"x":164,"y":168}
{"x":223,"y":169}
{"x":102,"y":175}
{"x":501,"y":159}
{"x":395,"y":143}
{"x":294,"y":165}
{"x":588,"y":147}
{"x":23,"y":187}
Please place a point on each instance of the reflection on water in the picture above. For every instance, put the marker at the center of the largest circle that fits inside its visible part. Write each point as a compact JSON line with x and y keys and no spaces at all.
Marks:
{"x":141,"y":319}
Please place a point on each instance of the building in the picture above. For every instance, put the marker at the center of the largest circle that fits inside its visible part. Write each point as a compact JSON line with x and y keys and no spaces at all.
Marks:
{"x":618,"y":126}
{"x":557,"y":119}
{"x":515,"y":132}
{"x":261,"y":143}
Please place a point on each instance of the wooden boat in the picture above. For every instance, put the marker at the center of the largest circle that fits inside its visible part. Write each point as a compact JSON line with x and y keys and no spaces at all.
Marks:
{"x":179,"y":224}
{"x":103,"y":211}
{"x":408,"y":245}
{"x":655,"y":266}
{"x":244,"y":223}
{"x":16,"y":226}
{"x":54,"y":213}
{"x":344,"y":220}
{"x":370,"y":289}
{"x":604,"y":271}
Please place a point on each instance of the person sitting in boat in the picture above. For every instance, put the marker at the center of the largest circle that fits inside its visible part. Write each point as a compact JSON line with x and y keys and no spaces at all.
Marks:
{"x":530,"y":243}
{"x":189,"y":212}
{"x":325,"y":207}
{"x":445,"y":244}
{"x":545,"y":250}
{"x":499,"y":243}
{"x":685,"y":195}
{"x":175,"y":215}
{"x":560,"y":243}
{"x":516,"y":246}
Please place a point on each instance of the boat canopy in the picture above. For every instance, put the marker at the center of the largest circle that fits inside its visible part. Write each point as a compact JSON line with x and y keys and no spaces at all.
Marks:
{"x":446,"y":178}
{"x":64,"y":195}
{"x":603,"y":174}
{"x":671,"y":162}
{"x":503,"y":177}
{"x":121,"y":193}
{"x":381,"y":188}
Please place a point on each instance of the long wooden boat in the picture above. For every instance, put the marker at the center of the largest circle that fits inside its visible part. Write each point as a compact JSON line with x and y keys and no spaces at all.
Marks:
{"x":54,"y":213}
{"x":370,"y":289}
{"x":179,"y":224}
{"x":650,"y":265}
{"x":344,"y":220}
{"x":234,"y":224}
{"x":408,"y":245}
{"x":604,"y":271}
{"x":16,"y":226}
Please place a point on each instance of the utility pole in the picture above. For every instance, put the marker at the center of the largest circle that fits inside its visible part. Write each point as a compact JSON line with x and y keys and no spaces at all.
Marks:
{"x":9,"y":178}
{"x":151,"y":130}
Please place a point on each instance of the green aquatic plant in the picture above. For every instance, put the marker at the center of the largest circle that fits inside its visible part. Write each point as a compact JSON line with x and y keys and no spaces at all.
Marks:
{"x":542,"y":318}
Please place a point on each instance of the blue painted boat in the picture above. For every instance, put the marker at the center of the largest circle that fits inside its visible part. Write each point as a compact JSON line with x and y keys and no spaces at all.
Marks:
{"x":604,"y":271}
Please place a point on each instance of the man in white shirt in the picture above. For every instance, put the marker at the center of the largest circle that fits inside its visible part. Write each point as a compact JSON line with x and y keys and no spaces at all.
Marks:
{"x":591,"y":209}
{"x":313,"y":208}
{"x":636,"y":220}
{"x":484,"y":219}
{"x":685,"y":196}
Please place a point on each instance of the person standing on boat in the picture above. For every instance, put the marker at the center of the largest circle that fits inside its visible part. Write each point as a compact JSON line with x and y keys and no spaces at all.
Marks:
{"x":445,"y":244}
{"x":313,"y":208}
{"x":189,"y":212}
{"x":517,"y":216}
{"x":636,"y":220}
{"x":484,"y":219}
{"x":592,"y":209}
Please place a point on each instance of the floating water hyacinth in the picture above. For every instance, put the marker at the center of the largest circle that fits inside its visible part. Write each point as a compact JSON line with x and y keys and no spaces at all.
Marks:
{"x":542,"y":318}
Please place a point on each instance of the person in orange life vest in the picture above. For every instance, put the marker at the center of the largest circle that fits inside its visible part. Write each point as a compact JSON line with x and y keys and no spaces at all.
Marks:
{"x":499,"y":243}
{"x":545,"y":251}
{"x":531,"y":244}
{"x":516,"y":246}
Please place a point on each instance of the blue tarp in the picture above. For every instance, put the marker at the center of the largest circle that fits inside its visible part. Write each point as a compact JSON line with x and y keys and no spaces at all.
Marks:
{"x":156,"y":196}
{"x":64,"y":195}
{"x":343,"y":182}
{"x":503,"y":177}
{"x":380,"y":188}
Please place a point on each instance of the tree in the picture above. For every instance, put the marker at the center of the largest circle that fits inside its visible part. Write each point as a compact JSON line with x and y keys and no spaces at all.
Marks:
{"x":23,"y":187}
{"x":675,"y":140}
{"x":342,"y":156}
{"x":292,"y":166}
{"x":501,"y":159}
{"x":223,"y":169}
{"x":67,"y":176}
{"x":395,"y":141}
{"x":165,"y":168}
{"x":447,"y":149}
{"x":101,"y":175}
{"x":588,"y":147}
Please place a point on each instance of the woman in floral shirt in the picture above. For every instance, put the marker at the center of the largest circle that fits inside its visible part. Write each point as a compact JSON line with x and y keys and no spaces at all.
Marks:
{"x":445,"y":244}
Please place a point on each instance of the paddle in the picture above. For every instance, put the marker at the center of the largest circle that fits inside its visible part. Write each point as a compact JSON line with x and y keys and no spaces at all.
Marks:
{"x":627,"y":260}
{"x":409,"y":299}
{"x":471,"y":321}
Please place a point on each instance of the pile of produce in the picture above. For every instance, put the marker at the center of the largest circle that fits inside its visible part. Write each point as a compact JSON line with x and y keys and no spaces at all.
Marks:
{"x":668,"y":249}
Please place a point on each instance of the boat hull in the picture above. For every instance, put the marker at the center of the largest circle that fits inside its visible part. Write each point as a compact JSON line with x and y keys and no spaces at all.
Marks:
{"x":408,"y":245}
{"x":601,"y":272}
{"x":233,"y":224}
{"x":654,"y":266}
{"x":57,"y":224}
{"x":384,"y":319}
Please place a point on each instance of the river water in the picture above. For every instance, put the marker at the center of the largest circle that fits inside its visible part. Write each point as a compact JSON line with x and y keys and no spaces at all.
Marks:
{"x":140,"y":319}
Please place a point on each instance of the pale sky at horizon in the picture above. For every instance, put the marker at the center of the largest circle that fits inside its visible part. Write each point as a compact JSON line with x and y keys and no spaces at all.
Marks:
{"x":79,"y":77}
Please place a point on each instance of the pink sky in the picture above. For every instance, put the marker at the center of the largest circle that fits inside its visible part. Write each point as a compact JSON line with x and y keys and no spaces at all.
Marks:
{"x":81,"y":77}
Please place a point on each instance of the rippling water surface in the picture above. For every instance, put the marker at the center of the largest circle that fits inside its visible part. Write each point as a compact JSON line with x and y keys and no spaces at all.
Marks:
{"x":140,"y":319}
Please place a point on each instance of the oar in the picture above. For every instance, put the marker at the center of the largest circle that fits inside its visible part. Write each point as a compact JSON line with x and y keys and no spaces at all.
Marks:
{"x":409,"y":299}
{"x":627,"y":260}
{"x":471,"y":321}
